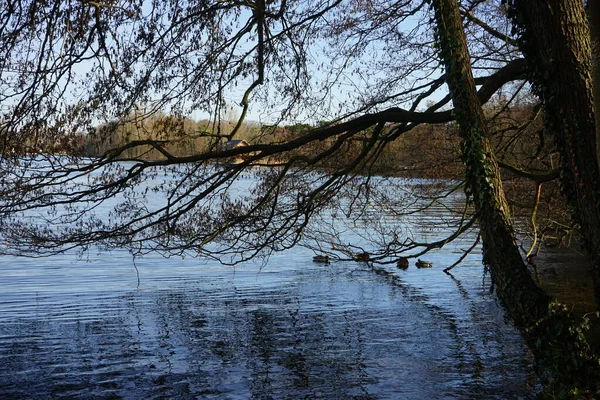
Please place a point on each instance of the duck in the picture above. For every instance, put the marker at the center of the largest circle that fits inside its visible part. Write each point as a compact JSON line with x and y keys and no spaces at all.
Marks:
{"x":423,"y":264}
{"x":362,"y":257}
{"x":402,"y":263}
{"x":321,"y":259}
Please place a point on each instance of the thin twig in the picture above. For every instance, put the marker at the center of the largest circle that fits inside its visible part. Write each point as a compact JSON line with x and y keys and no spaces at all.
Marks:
{"x":533,"y":220}
{"x":466,"y":253}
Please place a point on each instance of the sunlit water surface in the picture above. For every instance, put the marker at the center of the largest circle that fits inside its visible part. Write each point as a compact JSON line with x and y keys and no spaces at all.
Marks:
{"x":72,"y":328}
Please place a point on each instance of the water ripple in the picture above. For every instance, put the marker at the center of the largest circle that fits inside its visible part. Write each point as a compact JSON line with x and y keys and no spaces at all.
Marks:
{"x":298,"y":330}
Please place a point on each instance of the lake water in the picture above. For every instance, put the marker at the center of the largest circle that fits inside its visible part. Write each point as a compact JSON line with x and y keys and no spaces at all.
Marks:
{"x":292,"y":329}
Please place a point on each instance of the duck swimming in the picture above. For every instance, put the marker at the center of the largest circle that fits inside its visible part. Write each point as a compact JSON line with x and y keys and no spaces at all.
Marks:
{"x":402,"y":263}
{"x":362,"y":257}
{"x":321,"y":259}
{"x":423,"y":264}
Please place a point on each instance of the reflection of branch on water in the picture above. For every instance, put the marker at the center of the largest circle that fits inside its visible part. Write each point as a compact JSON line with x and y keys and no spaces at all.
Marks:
{"x":469,"y":359}
{"x":137,"y":272}
{"x":460,"y":287}
{"x":394,"y":279}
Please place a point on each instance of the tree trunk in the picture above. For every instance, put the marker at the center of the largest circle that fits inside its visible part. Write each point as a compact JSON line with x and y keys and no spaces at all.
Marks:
{"x":555,"y":38}
{"x":553,"y":335}
{"x":523,"y":299}
{"x":594,"y":21}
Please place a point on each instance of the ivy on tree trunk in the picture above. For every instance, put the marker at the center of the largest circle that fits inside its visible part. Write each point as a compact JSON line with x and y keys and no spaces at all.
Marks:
{"x":516,"y":288}
{"x":555,"y":337}
{"x":554,"y":36}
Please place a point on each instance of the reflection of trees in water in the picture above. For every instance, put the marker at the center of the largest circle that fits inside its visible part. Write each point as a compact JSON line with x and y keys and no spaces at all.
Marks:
{"x":262,"y":326}
{"x":66,"y":357}
{"x":305,"y":340}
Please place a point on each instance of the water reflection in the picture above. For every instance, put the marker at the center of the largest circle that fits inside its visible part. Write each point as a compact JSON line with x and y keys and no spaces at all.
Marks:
{"x":297,"y":330}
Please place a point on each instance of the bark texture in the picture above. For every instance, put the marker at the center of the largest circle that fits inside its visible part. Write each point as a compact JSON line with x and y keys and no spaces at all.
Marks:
{"x":594,"y":21}
{"x":556,"y":339}
{"x":555,"y":38}
{"x":523,"y":299}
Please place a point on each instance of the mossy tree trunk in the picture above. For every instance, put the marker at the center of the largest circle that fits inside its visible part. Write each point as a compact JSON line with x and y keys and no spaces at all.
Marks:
{"x":555,"y":39}
{"x":594,"y":21}
{"x":524,"y":300}
{"x":554,"y":336}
